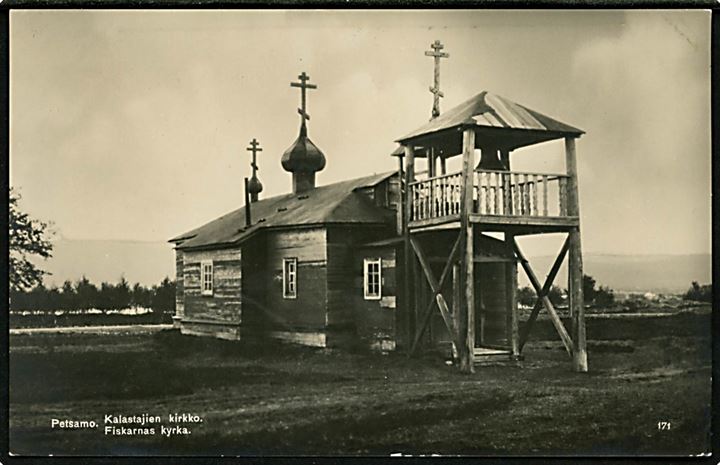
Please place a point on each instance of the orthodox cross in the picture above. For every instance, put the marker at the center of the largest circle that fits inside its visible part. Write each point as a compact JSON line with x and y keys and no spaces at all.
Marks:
{"x":254,"y":148}
{"x":303,"y":85}
{"x":437,"y":54}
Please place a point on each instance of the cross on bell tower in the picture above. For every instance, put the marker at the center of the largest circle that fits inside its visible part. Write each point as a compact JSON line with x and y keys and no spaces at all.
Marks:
{"x":303,"y":85}
{"x":436,"y":53}
{"x":254,"y":184}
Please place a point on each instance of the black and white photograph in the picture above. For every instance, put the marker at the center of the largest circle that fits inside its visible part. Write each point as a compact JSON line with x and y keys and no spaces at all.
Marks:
{"x":394,"y":233}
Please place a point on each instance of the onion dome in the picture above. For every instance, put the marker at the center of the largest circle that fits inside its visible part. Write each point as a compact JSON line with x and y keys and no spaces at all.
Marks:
{"x":303,"y":156}
{"x":254,"y":186}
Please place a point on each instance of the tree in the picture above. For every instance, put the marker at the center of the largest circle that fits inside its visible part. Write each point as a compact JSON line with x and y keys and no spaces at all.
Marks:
{"x":588,"y":284}
{"x":87,"y":293}
{"x":602,"y":296}
{"x":163,"y":300}
{"x":68,"y":300}
{"x":141,"y":296}
{"x":122,"y":294}
{"x":526,"y":296}
{"x":27,"y":237}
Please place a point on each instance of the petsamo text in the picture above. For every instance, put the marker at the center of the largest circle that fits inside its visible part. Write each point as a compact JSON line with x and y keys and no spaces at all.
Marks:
{"x":72,"y":424}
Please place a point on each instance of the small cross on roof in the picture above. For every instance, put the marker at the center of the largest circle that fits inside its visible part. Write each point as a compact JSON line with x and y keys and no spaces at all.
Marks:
{"x":254,"y":148}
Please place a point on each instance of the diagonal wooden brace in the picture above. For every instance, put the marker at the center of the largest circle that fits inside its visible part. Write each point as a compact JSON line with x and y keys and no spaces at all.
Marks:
{"x":437,"y":297}
{"x":543,"y":298}
{"x":436,"y":287}
{"x":545,"y":291}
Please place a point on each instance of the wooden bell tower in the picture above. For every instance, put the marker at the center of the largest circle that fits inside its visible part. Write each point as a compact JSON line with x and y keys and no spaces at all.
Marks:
{"x":446,"y":216}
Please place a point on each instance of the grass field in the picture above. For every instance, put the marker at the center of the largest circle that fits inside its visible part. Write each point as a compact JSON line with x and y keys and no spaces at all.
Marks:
{"x":290,"y":400}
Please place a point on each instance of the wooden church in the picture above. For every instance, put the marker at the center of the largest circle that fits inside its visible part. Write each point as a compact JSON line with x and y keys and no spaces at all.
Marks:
{"x":399,"y":260}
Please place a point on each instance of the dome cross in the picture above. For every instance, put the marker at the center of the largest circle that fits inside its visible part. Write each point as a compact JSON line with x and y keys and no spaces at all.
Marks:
{"x":254,"y":186}
{"x":303,"y":85}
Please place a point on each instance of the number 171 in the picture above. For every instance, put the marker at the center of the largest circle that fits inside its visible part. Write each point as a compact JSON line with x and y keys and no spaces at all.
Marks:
{"x":663,"y":425}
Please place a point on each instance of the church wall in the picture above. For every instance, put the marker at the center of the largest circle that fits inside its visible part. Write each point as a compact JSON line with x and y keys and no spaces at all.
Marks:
{"x":343,"y":240}
{"x":179,"y":289}
{"x":219,"y":314}
{"x":377,"y":321}
{"x":255,"y":279}
{"x":308,"y":311}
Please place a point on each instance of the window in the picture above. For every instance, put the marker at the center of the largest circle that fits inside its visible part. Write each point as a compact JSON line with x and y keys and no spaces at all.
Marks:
{"x":372,"y":279}
{"x":290,"y":278}
{"x":206,"y":277}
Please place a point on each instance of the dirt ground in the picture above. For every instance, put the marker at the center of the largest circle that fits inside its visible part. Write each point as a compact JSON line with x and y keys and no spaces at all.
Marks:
{"x":286,"y":400}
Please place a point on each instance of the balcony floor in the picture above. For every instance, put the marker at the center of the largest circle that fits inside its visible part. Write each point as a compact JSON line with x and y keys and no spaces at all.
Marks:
{"x":500,"y":223}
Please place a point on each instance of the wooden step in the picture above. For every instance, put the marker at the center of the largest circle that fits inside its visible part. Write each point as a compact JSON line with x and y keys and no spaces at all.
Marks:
{"x":485,"y":354}
{"x":485,"y":351}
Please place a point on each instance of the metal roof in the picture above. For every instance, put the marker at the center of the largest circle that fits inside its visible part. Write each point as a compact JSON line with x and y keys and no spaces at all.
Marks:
{"x":493,"y":111}
{"x":334,"y":203}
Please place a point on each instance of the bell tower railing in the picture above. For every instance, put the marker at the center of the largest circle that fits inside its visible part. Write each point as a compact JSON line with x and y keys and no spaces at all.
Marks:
{"x":495,"y":193}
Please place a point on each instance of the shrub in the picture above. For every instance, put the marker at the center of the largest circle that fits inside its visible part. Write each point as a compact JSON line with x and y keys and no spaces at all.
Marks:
{"x":556,"y":296}
{"x":699,"y":293}
{"x":604,"y":297}
{"x":526,"y":296}
{"x":636,"y":303}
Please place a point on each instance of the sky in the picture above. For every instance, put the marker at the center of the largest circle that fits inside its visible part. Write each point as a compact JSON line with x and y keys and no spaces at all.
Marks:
{"x":133,"y":125}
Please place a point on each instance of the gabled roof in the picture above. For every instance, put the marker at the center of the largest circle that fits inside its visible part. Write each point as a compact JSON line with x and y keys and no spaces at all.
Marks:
{"x":493,"y":111}
{"x":334,"y":203}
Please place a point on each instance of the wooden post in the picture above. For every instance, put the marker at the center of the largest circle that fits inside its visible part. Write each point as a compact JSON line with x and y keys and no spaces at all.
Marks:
{"x":418,"y":292}
{"x":408,"y":255}
{"x":575,"y":264}
{"x":511,"y":280}
{"x":467,"y":317}
{"x":443,"y":165}
{"x":430,"y":153}
{"x":505,"y":158}
{"x":456,"y":278}
{"x":401,"y":207}
{"x":248,"y":216}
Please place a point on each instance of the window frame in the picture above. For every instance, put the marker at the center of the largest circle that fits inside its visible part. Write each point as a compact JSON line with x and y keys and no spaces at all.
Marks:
{"x":207,"y":277}
{"x":367,"y":262}
{"x":287,"y":273}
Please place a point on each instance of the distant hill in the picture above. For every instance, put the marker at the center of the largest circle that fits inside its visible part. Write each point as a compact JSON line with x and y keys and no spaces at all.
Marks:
{"x":149,"y":262}
{"x":653,"y":273}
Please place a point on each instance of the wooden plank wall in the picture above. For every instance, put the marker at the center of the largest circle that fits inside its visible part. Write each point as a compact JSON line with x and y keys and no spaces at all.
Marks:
{"x":385,"y":193}
{"x":342,"y":271}
{"x":225,"y":304}
{"x":255,"y":285}
{"x":179,"y":288}
{"x":376,"y":320}
{"x":492,"y":315}
{"x":307,"y":311}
